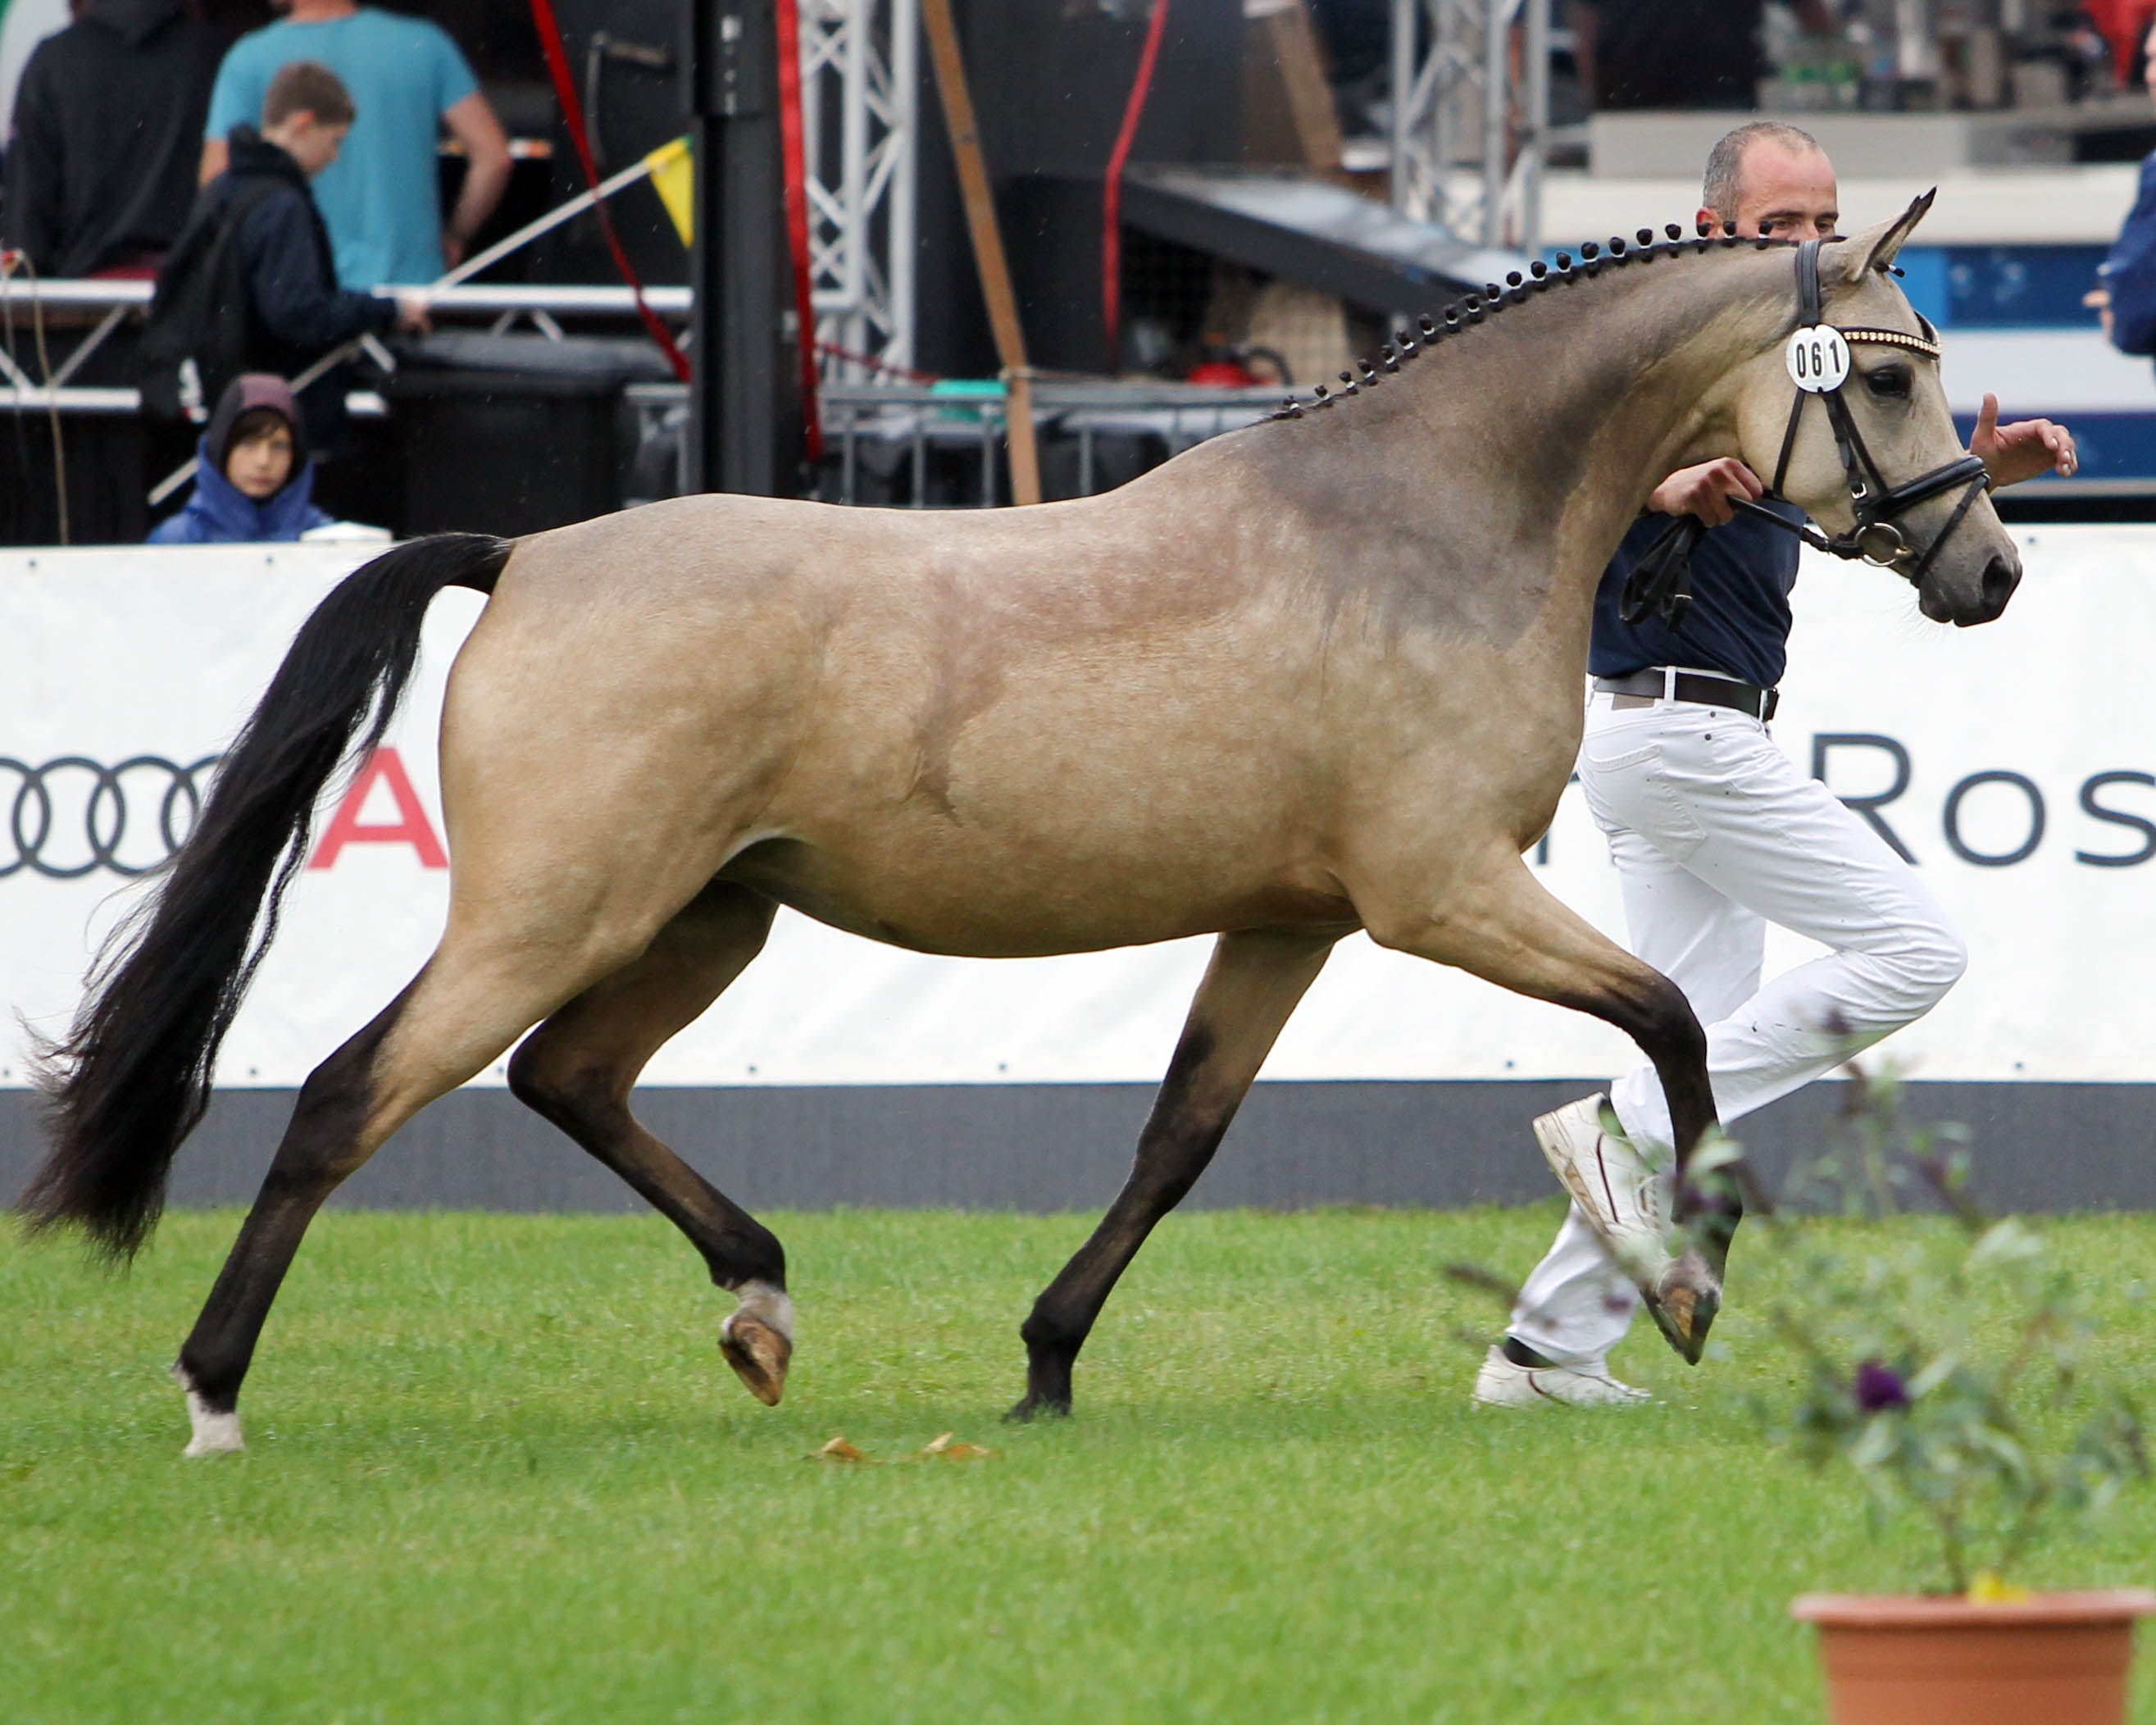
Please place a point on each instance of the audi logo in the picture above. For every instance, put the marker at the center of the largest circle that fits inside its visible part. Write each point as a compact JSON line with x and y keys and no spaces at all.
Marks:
{"x":73,"y":816}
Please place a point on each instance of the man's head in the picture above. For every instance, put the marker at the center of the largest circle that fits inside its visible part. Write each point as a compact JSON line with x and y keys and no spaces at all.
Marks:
{"x":306,"y":112}
{"x":1771,"y":180}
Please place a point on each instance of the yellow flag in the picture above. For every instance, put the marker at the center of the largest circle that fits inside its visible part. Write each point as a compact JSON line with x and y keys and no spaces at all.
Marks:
{"x":673,"y":177}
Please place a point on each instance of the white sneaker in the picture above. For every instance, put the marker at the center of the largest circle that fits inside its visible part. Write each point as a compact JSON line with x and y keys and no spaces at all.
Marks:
{"x":1501,"y":1383}
{"x":1625,"y":1196}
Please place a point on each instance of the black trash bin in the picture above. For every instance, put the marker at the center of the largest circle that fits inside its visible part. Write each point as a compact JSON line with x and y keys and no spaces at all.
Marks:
{"x":512,"y":433}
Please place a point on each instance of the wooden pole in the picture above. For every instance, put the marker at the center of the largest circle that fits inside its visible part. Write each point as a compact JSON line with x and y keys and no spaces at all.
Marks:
{"x":988,"y":246}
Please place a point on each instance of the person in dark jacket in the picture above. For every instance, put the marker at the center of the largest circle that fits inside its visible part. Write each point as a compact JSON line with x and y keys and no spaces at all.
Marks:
{"x":253,"y":479}
{"x":108,"y":112}
{"x":2125,"y":295}
{"x":296,"y":312}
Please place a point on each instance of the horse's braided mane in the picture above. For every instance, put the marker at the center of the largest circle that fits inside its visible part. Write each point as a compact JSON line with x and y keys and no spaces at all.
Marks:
{"x":1465,"y":313}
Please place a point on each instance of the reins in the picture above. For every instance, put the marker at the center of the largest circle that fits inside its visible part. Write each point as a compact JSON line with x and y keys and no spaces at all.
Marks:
{"x":1817,"y":356}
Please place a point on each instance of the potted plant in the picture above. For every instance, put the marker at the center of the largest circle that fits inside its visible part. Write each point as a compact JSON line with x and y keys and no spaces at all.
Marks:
{"x":1943,"y":1358}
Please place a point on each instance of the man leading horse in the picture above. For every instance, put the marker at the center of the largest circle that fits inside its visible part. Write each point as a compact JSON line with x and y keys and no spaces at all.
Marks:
{"x":1715,"y":833}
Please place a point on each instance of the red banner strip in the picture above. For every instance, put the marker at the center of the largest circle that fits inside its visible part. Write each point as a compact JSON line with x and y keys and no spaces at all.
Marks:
{"x":1112,"y":187}
{"x":792,"y":148}
{"x":572,"y":113}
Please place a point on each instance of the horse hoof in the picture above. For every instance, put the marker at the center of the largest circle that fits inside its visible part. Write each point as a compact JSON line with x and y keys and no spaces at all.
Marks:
{"x":1684,"y":1299}
{"x":1035,"y":1405}
{"x":759,"y":1354}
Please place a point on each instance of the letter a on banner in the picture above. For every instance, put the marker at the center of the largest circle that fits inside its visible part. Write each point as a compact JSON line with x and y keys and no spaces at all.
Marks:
{"x":411,"y":827}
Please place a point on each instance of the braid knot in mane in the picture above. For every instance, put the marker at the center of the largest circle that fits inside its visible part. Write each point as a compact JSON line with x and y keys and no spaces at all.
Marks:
{"x":1516,"y":289}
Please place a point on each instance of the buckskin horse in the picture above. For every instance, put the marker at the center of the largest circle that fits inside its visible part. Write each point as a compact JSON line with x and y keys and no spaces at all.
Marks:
{"x":1319,"y":675}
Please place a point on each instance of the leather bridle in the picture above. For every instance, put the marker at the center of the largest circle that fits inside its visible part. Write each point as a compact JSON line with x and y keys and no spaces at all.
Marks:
{"x":1877,"y":536}
{"x":1661,"y":581}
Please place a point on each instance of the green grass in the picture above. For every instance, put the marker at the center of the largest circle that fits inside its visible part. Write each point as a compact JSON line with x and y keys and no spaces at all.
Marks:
{"x":498,"y":1472}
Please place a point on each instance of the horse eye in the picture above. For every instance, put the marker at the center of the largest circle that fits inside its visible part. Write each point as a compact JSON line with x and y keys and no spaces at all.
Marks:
{"x":1889,"y":380}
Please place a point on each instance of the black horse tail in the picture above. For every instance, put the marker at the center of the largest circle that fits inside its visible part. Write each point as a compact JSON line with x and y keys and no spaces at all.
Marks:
{"x":131,"y":1079}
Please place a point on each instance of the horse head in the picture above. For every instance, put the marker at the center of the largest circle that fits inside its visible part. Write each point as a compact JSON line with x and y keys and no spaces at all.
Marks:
{"x":1876,"y":459}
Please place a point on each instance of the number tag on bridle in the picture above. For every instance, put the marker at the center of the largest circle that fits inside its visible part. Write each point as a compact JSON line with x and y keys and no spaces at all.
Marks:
{"x":1818,"y":359}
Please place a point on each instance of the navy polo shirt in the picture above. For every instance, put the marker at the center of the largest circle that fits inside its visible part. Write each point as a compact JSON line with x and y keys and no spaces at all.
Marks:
{"x":1739,"y":620}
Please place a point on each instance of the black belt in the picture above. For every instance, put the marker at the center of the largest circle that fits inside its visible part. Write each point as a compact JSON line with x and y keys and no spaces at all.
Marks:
{"x":1747,"y":698}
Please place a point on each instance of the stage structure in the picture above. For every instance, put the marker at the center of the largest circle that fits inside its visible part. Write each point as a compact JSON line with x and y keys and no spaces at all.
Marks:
{"x":1471,"y":116}
{"x":860,"y":85}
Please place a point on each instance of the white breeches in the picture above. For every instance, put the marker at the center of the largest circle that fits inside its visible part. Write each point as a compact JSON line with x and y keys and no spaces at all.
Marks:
{"x":1715,"y":833}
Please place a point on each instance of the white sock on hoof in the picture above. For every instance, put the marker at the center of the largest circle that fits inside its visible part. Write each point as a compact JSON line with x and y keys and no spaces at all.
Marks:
{"x":765,"y":1304}
{"x":214,"y":1434}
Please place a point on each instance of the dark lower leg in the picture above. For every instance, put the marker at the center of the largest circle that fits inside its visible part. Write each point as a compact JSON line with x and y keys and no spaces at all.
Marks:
{"x":577,"y":1069}
{"x":1516,"y":935}
{"x":1653,"y":1011}
{"x":736,"y":1247}
{"x":1688,"y":1295}
{"x":320,"y":1148}
{"x":1178,"y":1140}
{"x":1249,"y":989}
{"x":1719,"y":1196}
{"x":743,"y":1255}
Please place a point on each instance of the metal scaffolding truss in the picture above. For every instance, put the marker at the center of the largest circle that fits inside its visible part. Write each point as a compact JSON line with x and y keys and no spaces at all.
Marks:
{"x":1470,"y":115}
{"x":860,"y":85}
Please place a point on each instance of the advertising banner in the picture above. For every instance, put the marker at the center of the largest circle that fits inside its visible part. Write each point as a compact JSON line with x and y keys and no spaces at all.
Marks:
{"x":2014,"y":763}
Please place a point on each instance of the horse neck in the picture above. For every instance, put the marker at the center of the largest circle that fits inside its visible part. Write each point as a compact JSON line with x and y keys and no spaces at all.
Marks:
{"x":1551,"y":424}
{"x":1664,"y":363}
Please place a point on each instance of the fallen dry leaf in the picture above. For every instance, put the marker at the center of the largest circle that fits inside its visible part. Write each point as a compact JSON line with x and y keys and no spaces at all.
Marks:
{"x":943,"y":1448}
{"x":839,"y":1450}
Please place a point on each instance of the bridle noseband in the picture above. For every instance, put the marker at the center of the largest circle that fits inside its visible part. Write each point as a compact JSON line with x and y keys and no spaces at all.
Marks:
{"x":1817,"y":354}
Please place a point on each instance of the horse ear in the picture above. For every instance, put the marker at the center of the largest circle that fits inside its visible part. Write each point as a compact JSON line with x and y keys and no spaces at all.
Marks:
{"x":1878,"y":245}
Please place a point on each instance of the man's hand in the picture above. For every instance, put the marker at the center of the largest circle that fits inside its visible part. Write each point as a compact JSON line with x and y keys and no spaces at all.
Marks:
{"x":2023,"y":449}
{"x":412,"y":314}
{"x":1704,"y":490}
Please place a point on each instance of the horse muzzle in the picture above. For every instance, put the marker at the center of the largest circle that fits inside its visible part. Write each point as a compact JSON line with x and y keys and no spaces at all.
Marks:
{"x":1962,"y":604}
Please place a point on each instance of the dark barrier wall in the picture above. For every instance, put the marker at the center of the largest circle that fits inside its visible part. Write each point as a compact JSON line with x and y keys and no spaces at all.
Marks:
{"x":1041,"y":1148}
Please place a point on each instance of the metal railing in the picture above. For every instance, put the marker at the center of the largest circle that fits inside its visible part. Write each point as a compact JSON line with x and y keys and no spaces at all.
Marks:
{"x":921,"y":427}
{"x":23,"y":302}
{"x":946,"y":445}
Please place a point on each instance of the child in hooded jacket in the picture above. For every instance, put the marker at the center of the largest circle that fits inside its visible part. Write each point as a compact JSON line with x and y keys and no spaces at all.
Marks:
{"x":254,"y":480}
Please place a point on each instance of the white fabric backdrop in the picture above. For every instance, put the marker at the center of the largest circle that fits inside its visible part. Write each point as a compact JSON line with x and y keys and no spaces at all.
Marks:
{"x":109,"y":654}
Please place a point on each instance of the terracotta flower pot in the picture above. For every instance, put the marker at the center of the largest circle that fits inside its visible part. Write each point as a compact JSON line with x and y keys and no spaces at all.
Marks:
{"x":2053,"y":1659}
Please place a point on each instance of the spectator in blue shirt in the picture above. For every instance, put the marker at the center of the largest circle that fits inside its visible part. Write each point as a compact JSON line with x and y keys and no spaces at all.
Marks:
{"x":407,"y":80}
{"x":254,"y":480}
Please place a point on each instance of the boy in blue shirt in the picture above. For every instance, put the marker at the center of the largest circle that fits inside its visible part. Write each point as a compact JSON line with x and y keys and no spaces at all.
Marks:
{"x":379,"y":198}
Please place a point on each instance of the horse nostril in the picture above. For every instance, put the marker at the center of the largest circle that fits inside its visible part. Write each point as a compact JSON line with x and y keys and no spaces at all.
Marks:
{"x":2001,"y":576}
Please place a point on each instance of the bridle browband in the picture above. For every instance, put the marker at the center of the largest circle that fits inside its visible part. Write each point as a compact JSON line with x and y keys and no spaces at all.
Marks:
{"x":1662,"y":580}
